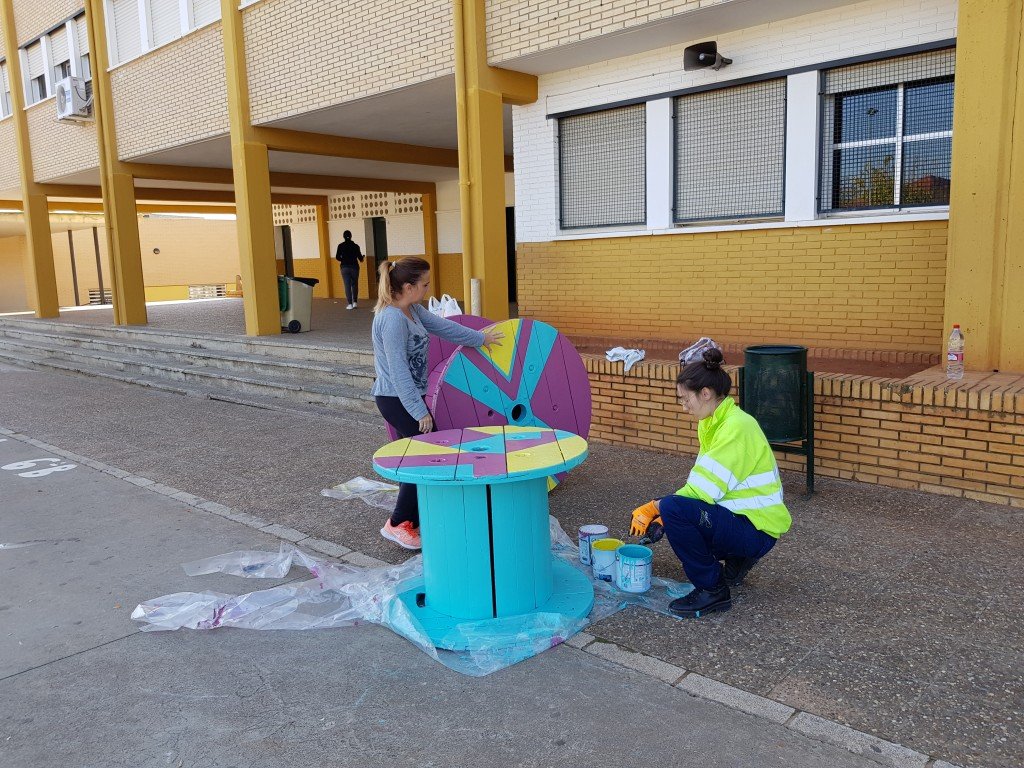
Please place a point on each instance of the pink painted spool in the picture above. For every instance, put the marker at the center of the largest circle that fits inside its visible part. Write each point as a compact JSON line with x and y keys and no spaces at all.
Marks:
{"x":534,"y":378}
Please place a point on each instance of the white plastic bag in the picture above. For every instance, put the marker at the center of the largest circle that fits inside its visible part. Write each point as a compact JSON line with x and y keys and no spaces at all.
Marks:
{"x":696,"y":350}
{"x":449,"y":306}
{"x":434,"y":307}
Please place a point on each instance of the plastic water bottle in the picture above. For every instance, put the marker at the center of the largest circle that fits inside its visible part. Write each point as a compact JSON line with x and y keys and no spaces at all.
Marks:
{"x":955,"y":354}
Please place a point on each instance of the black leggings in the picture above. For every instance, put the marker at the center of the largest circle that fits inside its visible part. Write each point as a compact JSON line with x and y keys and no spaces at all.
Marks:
{"x":394,"y":413}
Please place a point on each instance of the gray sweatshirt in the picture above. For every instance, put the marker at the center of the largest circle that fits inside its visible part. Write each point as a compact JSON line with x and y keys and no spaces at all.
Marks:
{"x":400,"y":352}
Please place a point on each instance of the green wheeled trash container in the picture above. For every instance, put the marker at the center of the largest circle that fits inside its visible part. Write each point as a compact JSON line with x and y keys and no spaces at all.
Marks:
{"x":778,"y":391}
{"x":295,"y":297}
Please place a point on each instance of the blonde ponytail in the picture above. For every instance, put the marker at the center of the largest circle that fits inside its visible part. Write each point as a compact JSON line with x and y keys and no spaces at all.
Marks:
{"x":394,"y":275}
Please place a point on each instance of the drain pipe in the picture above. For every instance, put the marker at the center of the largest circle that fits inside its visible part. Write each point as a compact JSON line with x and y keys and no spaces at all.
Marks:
{"x":464,"y":150}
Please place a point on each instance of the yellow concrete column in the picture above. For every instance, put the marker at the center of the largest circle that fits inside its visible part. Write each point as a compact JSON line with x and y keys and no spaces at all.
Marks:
{"x":984,"y":290}
{"x":429,"y":205}
{"x":331,"y":274}
{"x":40,"y":274}
{"x":121,"y":219}
{"x":480,"y":91}
{"x":250,"y":163}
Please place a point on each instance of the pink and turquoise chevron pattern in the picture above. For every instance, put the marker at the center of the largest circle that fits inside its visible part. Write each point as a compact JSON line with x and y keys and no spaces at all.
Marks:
{"x":489,"y":454}
{"x":535,"y":377}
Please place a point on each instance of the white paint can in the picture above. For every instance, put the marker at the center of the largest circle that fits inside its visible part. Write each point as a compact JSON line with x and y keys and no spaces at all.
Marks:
{"x":588,"y":535}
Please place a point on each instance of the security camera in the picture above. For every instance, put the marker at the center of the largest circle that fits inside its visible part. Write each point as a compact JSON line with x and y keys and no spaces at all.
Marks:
{"x":702,"y":56}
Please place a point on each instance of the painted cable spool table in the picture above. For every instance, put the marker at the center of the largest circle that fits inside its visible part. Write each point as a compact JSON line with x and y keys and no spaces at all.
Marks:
{"x":483,"y":505}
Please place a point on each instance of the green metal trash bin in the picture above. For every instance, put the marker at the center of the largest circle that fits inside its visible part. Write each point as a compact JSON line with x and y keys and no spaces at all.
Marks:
{"x":778,"y":391}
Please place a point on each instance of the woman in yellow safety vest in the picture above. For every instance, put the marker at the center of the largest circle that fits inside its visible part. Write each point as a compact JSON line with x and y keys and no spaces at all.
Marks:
{"x":731,"y":507}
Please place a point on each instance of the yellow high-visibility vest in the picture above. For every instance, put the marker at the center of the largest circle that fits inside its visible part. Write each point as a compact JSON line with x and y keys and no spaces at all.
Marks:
{"x":736,"y":469}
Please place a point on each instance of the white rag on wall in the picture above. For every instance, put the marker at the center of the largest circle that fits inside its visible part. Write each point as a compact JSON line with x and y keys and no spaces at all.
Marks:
{"x":628,"y":356}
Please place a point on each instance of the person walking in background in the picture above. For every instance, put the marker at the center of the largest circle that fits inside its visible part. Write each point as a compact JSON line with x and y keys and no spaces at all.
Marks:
{"x":401,"y":335}
{"x":350,"y":256}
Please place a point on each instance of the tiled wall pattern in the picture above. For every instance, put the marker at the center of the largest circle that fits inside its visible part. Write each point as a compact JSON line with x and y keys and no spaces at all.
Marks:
{"x":155,"y":108}
{"x":519,"y":27}
{"x":867,"y":286}
{"x":877,"y":25}
{"x":33,"y":17}
{"x":298,"y":63}
{"x":10,"y":175}
{"x":59,"y":147}
{"x":903,"y":435}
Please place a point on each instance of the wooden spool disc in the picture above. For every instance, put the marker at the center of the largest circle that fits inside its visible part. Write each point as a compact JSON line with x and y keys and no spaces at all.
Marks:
{"x":534,"y":378}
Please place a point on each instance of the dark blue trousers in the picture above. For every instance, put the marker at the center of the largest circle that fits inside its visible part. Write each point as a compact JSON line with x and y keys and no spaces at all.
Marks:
{"x":701,"y":534}
{"x":350,"y":279}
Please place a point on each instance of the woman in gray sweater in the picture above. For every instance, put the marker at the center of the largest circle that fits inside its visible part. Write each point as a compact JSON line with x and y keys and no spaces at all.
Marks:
{"x":401,"y":328}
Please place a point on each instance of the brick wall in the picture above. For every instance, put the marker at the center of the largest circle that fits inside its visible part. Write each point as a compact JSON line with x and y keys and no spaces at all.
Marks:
{"x":953,"y":442}
{"x":10,"y":175}
{"x":175,"y":95}
{"x":33,"y":17}
{"x":59,"y":147}
{"x":304,"y":55}
{"x":519,"y":27}
{"x":870,"y":286}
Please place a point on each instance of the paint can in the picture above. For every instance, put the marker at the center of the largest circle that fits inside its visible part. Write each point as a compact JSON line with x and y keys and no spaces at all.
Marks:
{"x":588,"y":535}
{"x":633,"y":568}
{"x":603,"y":558}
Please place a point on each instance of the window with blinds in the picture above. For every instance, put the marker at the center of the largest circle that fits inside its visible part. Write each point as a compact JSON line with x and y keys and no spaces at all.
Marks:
{"x":730,"y":153}
{"x":887,"y":133}
{"x":85,"y":65}
{"x":5,"y":92}
{"x":602,"y":168}
{"x":35,"y":67}
{"x":125,"y":23}
{"x":164,"y":21}
{"x":204,"y":11}
{"x":60,"y":54}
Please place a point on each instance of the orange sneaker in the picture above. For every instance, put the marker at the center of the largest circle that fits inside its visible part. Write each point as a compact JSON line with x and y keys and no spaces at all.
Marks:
{"x":403,"y":534}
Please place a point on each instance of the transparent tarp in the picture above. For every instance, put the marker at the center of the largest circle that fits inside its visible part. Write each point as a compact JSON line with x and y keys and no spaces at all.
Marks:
{"x":343,"y":595}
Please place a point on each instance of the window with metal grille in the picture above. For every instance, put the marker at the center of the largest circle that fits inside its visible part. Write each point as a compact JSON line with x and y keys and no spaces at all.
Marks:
{"x":887,"y":133}
{"x":730,"y":149}
{"x":602,"y":168}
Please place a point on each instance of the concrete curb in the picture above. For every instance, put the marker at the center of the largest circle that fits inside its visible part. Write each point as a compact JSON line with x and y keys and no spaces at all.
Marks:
{"x":878,"y":750}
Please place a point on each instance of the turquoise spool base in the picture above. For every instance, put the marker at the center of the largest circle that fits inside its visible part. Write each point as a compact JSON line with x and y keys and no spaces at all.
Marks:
{"x":572,"y":595}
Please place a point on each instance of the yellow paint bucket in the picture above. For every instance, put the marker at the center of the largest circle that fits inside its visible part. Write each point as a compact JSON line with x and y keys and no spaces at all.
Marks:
{"x":603,"y":558}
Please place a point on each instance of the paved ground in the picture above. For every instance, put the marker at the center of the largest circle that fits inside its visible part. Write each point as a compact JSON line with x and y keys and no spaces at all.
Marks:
{"x":81,"y":686}
{"x":895,"y":612}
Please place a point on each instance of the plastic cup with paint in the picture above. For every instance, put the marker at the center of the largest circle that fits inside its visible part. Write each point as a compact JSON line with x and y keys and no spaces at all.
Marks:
{"x":633,"y":568}
{"x":588,"y":535}
{"x":603,"y":558}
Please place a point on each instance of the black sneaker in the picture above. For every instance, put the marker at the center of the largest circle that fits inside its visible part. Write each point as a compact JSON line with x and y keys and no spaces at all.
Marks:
{"x":736,"y":569}
{"x":701,"y":601}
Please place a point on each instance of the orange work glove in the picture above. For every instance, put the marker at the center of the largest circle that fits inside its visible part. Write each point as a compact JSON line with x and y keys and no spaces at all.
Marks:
{"x":643,"y":517}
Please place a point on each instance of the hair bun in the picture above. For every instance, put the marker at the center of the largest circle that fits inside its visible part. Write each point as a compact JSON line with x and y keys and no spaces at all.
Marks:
{"x":713,"y":359}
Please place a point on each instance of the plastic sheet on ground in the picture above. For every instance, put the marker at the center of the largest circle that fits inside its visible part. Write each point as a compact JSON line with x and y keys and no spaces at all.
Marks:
{"x":344,"y":595}
{"x":373,"y":492}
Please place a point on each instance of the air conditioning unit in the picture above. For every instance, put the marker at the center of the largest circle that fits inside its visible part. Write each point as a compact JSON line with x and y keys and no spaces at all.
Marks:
{"x":73,"y":101}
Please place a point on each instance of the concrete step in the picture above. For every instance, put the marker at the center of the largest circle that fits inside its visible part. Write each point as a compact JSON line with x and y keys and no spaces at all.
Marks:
{"x":128,"y":368}
{"x":301,"y":372}
{"x":344,"y":416}
{"x":286,"y":347}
